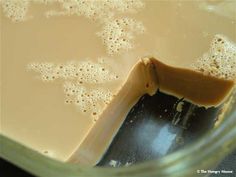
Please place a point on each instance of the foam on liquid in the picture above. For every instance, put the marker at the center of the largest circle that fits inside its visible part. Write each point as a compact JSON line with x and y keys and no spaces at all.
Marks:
{"x":55,"y":38}
{"x":117,"y":33}
{"x":220,"y":60}
{"x":77,"y":77}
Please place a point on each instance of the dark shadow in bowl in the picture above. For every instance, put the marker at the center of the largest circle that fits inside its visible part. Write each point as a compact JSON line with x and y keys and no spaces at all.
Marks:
{"x":157,"y":126}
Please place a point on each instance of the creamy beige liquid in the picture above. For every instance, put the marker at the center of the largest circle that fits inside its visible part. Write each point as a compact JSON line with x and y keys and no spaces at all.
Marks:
{"x":36,"y":113}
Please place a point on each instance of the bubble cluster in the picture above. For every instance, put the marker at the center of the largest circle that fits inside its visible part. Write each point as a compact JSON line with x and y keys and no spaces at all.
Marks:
{"x":15,"y":9}
{"x":118,"y":31}
{"x":220,"y":60}
{"x":89,"y":101}
{"x":118,"y":34}
{"x":83,"y":71}
{"x":92,"y":9}
{"x":83,"y":82}
{"x":100,"y":10}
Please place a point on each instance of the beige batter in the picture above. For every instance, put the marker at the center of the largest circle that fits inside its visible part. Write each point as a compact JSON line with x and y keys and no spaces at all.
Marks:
{"x":71,"y":72}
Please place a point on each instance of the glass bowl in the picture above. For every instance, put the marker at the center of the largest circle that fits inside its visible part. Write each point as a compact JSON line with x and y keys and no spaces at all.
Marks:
{"x":203,"y":154}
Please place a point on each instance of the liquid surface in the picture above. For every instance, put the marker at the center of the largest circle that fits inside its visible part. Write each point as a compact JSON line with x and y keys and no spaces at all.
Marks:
{"x":54,"y":58}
